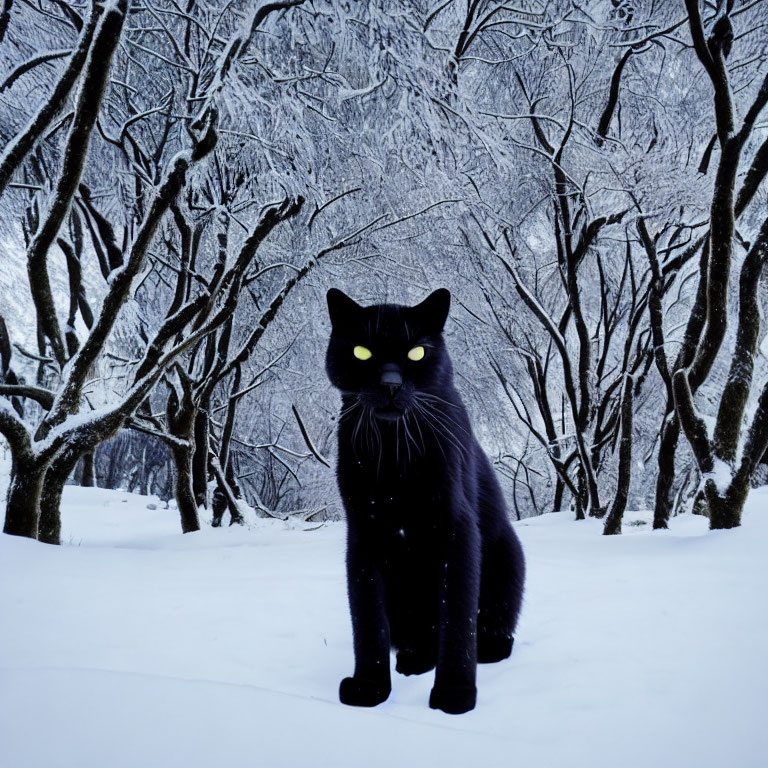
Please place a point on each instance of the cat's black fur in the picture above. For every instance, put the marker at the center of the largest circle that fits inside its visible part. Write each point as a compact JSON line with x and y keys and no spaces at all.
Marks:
{"x":434,"y":569}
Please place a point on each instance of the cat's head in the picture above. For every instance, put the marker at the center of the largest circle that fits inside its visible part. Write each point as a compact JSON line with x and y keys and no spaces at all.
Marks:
{"x":386,"y":355}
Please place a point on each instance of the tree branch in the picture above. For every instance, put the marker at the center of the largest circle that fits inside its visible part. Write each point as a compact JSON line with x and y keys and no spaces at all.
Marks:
{"x":13,"y":428}
{"x":308,"y":439}
{"x":35,"y":61}
{"x":38,"y":394}
{"x":655,"y":308}
{"x":613,"y":98}
{"x":97,"y":67}
{"x":714,"y":62}
{"x":613,"y":521}
{"x":736,"y":391}
{"x":20,"y":145}
{"x":693,"y":425}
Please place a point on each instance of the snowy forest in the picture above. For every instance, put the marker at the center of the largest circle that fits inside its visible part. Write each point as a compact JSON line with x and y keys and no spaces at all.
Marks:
{"x":183,"y":180}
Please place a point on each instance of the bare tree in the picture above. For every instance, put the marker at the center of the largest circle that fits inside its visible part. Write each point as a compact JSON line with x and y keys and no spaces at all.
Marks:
{"x":180,"y":208}
{"x":727,"y":457}
{"x":48,"y":451}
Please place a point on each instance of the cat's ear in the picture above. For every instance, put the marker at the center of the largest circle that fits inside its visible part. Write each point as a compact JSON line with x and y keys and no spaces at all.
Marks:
{"x":340,"y":307}
{"x":433,"y":311}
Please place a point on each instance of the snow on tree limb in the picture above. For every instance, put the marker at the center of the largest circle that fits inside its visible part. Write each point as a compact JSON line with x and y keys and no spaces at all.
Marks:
{"x":13,"y":427}
{"x":97,"y":65}
{"x":307,"y":438}
{"x":30,"y":64}
{"x":694,"y":426}
{"x":38,"y":394}
{"x":237,"y":45}
{"x":737,"y":388}
{"x":18,"y":147}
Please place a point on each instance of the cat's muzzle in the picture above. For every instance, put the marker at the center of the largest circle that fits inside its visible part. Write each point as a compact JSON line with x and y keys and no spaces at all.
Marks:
{"x":390,"y":412}
{"x":391,"y":378}
{"x":391,"y":383}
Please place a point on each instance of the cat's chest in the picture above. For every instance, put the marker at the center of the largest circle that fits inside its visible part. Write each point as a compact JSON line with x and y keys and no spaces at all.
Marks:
{"x":396,"y":501}
{"x":396,"y":485}
{"x":387,"y":482}
{"x":399,"y":520}
{"x":398,"y":464}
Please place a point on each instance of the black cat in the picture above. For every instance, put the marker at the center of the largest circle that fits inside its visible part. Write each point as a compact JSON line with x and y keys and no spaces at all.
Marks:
{"x":434,"y":569}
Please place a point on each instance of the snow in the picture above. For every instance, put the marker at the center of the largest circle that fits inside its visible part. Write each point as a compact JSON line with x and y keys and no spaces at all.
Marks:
{"x":763,"y":349}
{"x":133,"y":645}
{"x":721,"y":475}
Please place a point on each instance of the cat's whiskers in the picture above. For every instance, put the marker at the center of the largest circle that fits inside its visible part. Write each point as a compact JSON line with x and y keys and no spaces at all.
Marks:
{"x":408,"y":436}
{"x":369,"y":425}
{"x":349,"y":408}
{"x":375,"y":425}
{"x":440,"y":413}
{"x":403,"y":421}
{"x":374,"y":431}
{"x":447,"y":428}
{"x":433,"y":396}
{"x":358,"y":424}
{"x":439,"y":427}
{"x":426,"y":409}
{"x":421,"y":435}
{"x":433,"y":426}
{"x":438,"y":436}
{"x":447,"y":421}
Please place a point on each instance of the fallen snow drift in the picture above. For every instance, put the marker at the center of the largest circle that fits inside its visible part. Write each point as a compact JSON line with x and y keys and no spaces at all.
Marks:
{"x":135,"y":646}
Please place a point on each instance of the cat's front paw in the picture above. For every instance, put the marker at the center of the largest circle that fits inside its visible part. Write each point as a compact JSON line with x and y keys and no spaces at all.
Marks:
{"x":414,"y":662}
{"x":455,"y":700}
{"x":358,"y":692}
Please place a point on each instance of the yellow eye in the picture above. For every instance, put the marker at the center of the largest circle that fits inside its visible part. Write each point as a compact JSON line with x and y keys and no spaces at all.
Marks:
{"x":362,"y":353}
{"x":416,"y":354}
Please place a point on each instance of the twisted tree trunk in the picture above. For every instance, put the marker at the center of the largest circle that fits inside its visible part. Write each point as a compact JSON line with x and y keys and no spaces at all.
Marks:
{"x":185,"y":496}
{"x":56,"y":477}
{"x":88,"y":478}
{"x":22,"y":512}
{"x":665,"y":480}
{"x":613,"y":521}
{"x":200,"y":458}
{"x":181,"y":414}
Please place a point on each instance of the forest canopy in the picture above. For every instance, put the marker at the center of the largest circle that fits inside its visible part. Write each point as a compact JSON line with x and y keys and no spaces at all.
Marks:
{"x":182,"y":180}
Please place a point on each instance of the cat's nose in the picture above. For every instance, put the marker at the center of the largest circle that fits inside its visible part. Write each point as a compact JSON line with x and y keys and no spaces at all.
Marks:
{"x":391,"y":377}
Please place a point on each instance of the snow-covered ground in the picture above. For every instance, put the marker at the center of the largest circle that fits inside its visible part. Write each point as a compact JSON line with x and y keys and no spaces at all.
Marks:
{"x":135,"y":646}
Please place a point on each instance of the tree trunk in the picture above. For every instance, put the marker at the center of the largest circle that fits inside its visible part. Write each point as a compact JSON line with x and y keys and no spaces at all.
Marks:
{"x":22,"y":513}
{"x":700,"y":505}
{"x":200,"y":459}
{"x":666,"y":477}
{"x":219,"y":506}
{"x":237,"y":494}
{"x":88,"y":478}
{"x":226,"y":495}
{"x":50,"y":499}
{"x":559,"y":491}
{"x":185,"y":496}
{"x":109,"y":453}
{"x":612,"y":525}
{"x":725,"y":510}
{"x":581,"y":500}
{"x":143,"y":472}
